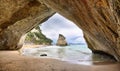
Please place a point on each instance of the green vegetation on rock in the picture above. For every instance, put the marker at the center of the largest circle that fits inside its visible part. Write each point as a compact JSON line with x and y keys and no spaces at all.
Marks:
{"x":35,"y":36}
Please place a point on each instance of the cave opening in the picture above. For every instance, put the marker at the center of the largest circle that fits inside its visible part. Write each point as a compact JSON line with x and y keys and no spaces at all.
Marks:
{"x":57,"y":25}
{"x":98,"y":19}
{"x":42,"y":42}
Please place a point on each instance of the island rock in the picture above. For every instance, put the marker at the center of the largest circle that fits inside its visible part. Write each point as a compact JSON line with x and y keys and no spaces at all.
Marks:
{"x":61,"y":40}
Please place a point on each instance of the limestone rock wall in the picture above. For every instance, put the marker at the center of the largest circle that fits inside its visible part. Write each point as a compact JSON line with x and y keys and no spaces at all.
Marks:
{"x":99,"y":20}
{"x":18,"y":17}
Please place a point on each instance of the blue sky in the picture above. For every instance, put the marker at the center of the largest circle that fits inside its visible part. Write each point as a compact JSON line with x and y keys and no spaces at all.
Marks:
{"x":57,"y":24}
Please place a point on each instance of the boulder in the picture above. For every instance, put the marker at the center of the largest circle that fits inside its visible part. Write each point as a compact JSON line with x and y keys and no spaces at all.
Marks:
{"x":43,"y":55}
{"x":61,"y":40}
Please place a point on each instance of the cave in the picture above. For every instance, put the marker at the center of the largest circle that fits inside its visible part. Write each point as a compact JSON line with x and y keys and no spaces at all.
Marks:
{"x":99,"y":20}
{"x":55,"y":27}
{"x":101,"y":29}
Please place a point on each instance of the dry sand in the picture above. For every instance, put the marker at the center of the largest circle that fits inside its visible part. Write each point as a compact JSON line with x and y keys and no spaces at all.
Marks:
{"x":32,"y":46}
{"x":12,"y":61}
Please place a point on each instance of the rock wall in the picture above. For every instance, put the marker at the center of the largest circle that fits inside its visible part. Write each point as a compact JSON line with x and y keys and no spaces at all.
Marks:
{"x":99,"y":20}
{"x":18,"y":17}
{"x":61,"y":40}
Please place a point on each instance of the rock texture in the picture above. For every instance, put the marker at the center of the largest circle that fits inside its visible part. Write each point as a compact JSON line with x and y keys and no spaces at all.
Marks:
{"x":61,"y":40}
{"x":99,"y":20}
{"x":18,"y":17}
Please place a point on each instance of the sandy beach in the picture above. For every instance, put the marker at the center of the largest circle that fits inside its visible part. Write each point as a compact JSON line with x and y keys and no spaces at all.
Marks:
{"x":32,"y":46}
{"x":13,"y":61}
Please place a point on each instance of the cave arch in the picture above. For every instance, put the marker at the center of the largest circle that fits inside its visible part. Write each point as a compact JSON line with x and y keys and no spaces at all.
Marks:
{"x":98,"y":19}
{"x":25,"y":15}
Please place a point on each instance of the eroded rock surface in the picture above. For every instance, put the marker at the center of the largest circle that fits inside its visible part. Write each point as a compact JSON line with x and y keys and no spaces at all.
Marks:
{"x":99,"y":20}
{"x":19,"y":17}
{"x":61,"y":40}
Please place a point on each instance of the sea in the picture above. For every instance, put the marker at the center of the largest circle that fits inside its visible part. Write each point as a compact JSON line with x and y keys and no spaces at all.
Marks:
{"x":78,"y":54}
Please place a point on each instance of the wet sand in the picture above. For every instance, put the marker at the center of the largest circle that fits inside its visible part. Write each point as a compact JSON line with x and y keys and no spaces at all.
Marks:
{"x":13,"y":61}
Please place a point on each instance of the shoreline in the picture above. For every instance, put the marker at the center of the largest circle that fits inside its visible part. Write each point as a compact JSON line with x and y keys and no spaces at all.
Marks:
{"x":69,"y":54}
{"x":12,"y":61}
{"x":33,"y":46}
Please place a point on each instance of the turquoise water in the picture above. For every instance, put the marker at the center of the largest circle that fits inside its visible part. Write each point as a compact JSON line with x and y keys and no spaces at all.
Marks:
{"x":72,"y":53}
{"x":78,"y":54}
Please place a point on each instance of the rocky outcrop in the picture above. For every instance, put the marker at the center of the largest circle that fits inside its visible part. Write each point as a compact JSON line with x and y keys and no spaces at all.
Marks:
{"x":61,"y":40}
{"x":19,"y":17}
{"x":36,"y":36}
{"x":99,"y":20}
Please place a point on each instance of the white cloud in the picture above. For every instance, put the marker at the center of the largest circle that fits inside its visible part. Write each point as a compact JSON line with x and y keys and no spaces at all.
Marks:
{"x":57,"y":24}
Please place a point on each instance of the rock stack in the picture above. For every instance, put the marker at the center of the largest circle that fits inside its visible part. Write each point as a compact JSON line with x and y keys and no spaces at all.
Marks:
{"x":61,"y":41}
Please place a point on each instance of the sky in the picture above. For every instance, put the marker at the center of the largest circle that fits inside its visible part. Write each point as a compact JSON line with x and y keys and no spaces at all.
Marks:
{"x":57,"y":24}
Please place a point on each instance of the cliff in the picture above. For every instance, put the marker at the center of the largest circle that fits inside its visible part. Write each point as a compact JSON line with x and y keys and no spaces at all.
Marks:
{"x":61,"y":40}
{"x":99,"y":20}
{"x":35,"y":36}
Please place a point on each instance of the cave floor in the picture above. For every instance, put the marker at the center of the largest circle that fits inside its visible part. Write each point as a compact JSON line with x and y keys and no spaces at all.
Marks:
{"x":13,"y":61}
